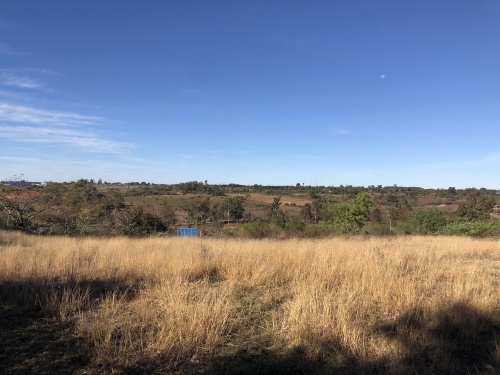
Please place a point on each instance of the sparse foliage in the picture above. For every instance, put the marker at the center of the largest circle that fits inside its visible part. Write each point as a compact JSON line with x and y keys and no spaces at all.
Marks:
{"x":20,"y":205}
{"x":476,"y":206}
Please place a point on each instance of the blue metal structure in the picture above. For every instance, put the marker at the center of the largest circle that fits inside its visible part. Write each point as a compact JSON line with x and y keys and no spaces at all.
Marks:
{"x":187,"y":232}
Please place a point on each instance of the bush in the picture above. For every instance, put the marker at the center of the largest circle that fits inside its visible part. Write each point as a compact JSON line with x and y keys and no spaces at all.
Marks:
{"x":137,"y":222}
{"x":378,"y":229}
{"x":473,"y":228}
{"x":295,"y":226}
{"x":255,"y":229}
{"x":318,"y":231}
{"x":424,"y":222}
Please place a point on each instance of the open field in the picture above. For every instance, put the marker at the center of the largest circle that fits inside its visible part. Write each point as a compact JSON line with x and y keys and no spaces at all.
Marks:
{"x":399,"y":305}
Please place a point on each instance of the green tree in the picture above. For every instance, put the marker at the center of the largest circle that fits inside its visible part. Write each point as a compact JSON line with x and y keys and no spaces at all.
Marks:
{"x":137,"y":222}
{"x":376,"y":215}
{"x":198,"y":210}
{"x":350,"y":216}
{"x":235,"y":208}
{"x":111,"y":202}
{"x":276,"y":215}
{"x":81,"y":208}
{"x":280,"y":218}
{"x":82,"y":194}
{"x":306,"y":213}
{"x":425,"y":222}
{"x":318,"y":209}
{"x":167,"y":215}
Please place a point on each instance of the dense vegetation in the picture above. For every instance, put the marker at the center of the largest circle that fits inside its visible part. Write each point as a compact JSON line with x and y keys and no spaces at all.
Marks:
{"x":139,"y":209}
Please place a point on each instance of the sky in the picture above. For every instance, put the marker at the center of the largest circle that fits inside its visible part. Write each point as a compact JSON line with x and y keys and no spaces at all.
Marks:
{"x":275,"y":92}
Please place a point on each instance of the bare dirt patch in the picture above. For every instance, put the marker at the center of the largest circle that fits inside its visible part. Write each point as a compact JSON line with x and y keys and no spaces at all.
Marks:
{"x":268,"y":199}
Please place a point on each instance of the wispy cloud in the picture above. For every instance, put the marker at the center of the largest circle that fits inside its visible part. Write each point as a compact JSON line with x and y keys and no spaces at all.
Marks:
{"x":29,"y":115}
{"x":86,"y":141}
{"x":45,"y":126}
{"x":8,"y":79}
{"x":30,"y":70}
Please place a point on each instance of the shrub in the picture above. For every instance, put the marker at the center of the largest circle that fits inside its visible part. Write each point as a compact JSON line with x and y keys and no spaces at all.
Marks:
{"x":378,"y":229}
{"x":137,"y":222}
{"x":473,"y":228}
{"x":255,"y":229}
{"x":296,"y":225}
{"x":424,"y":222}
{"x":318,"y":230}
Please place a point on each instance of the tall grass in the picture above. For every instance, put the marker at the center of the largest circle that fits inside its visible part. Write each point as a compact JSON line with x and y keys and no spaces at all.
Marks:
{"x":343,"y":305}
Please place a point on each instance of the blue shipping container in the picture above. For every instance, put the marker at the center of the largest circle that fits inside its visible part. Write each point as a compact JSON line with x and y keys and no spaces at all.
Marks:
{"x":189,"y":232}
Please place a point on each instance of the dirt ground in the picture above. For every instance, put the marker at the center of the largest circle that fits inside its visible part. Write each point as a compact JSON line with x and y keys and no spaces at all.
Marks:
{"x":268,"y":199}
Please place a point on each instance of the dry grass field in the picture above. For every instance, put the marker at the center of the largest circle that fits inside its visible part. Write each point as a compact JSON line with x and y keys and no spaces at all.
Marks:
{"x":399,"y":305}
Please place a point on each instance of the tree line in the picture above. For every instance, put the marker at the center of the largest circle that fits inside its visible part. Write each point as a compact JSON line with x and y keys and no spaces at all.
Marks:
{"x":85,"y":208}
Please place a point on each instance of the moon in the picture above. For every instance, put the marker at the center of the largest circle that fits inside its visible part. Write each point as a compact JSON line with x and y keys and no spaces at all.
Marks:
{"x":382,"y":76}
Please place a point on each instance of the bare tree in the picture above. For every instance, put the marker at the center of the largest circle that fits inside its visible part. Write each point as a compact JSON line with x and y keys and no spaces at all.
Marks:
{"x":20,"y":205}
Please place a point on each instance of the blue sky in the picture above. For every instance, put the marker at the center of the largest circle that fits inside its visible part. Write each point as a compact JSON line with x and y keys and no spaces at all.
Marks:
{"x":267,"y":92}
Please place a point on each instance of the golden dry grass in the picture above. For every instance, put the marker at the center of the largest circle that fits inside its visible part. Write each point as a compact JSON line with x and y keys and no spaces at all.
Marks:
{"x":343,"y":305}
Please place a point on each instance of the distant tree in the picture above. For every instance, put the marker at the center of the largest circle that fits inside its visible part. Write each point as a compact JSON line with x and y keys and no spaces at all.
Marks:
{"x":235,"y":208}
{"x":350,"y":216}
{"x":276,"y":215}
{"x":280,"y":219}
{"x":167,"y":215}
{"x":426,"y":221}
{"x":306,"y":213}
{"x":376,"y":215}
{"x":198,"y":210}
{"x":314,"y":194}
{"x":317,"y":209}
{"x":275,"y":206}
{"x":81,"y":194}
{"x":20,"y":205}
{"x":295,"y":226}
{"x":399,"y":207}
{"x":137,"y":222}
{"x":476,"y":206}
{"x":111,"y":202}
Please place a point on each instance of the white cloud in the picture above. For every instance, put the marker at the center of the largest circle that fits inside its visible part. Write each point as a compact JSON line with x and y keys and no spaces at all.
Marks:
{"x":87,"y":141}
{"x":8,"y":79}
{"x":54,"y":127}
{"x":29,"y":115}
